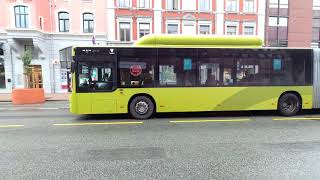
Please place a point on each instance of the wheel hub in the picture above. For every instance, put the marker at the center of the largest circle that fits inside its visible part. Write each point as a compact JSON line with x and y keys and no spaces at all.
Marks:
{"x":142,"y":107}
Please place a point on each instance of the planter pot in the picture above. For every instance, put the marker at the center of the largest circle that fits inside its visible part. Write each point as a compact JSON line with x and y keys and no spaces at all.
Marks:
{"x":28,"y":96}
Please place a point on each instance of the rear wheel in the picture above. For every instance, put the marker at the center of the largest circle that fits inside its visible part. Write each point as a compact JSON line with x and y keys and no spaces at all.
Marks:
{"x":141,"y":107}
{"x":289,"y":104}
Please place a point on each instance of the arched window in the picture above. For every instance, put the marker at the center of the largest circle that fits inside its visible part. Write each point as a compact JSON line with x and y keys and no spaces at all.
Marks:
{"x":88,"y":23}
{"x":64,"y":23}
{"x":21,"y":14}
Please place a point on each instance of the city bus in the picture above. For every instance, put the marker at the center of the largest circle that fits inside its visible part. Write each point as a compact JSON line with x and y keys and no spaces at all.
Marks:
{"x":164,"y":73}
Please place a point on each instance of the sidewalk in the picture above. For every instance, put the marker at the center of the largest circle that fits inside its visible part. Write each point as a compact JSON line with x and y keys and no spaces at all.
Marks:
{"x":49,"y":97}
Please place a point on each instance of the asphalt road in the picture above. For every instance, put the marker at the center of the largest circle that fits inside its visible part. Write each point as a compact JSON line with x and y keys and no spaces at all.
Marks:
{"x":46,"y":142}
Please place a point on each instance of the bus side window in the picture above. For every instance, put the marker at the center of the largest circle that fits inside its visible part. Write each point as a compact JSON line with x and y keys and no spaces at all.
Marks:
{"x":136,"y":67}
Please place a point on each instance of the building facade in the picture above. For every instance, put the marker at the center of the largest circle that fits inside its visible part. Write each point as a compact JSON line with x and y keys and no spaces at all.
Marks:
{"x":292,"y":23}
{"x":46,"y":27}
{"x":128,"y":20}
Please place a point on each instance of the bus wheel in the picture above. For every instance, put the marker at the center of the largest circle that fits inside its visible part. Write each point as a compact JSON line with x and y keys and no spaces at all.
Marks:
{"x":289,"y":104}
{"x":141,"y":107}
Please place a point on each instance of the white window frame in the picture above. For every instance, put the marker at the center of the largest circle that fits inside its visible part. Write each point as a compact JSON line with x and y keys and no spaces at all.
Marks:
{"x":249,"y":24}
{"x":210,"y":6}
{"x":172,"y":9}
{"x":237,"y":8}
{"x":316,"y":5}
{"x":231,"y":23}
{"x":130,"y":4}
{"x":175,"y":22}
{"x":189,"y":5}
{"x":124,"y":20}
{"x":281,"y":4}
{"x":145,"y":21}
{"x":254,"y":7}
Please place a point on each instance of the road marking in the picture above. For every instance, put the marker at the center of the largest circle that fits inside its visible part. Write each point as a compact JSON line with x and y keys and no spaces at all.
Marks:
{"x":11,"y":126}
{"x":48,"y":108}
{"x":99,"y":123}
{"x":216,"y":120}
{"x":296,"y":119}
{"x":3,"y":109}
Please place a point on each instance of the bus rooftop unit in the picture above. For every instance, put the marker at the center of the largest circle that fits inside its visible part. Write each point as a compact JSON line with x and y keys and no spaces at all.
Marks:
{"x":199,"y":41}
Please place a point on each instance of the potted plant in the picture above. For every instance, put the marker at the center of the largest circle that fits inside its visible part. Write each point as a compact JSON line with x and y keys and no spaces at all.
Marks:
{"x":27,"y":95}
{"x":26,"y":60}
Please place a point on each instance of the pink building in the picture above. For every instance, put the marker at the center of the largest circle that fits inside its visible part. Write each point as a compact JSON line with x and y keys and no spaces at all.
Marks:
{"x":45,"y":27}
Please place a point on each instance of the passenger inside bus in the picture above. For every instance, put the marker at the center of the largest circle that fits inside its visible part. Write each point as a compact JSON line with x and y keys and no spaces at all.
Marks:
{"x":211,"y":80}
{"x":188,"y":79}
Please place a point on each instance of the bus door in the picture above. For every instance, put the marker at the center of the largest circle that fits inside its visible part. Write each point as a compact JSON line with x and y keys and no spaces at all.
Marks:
{"x":96,"y":82}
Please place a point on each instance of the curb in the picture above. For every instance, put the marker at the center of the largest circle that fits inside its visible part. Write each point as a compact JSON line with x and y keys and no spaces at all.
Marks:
{"x":47,"y":100}
{"x":31,"y":108}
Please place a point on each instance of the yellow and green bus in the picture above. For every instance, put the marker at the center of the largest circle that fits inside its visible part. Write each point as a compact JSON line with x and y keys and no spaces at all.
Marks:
{"x":163,"y":73}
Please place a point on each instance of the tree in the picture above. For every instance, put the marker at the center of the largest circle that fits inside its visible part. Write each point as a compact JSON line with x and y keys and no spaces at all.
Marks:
{"x":26,"y":59}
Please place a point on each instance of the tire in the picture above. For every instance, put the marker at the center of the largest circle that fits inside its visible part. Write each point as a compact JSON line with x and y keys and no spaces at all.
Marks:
{"x":289,"y":104}
{"x":141,"y":107}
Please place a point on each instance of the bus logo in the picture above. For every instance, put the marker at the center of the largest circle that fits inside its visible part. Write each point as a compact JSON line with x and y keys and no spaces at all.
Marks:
{"x":135,"y":70}
{"x":111,"y":51}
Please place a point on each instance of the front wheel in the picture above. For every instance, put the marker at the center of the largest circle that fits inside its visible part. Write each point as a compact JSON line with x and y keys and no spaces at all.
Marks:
{"x":289,"y":105}
{"x":141,"y":107}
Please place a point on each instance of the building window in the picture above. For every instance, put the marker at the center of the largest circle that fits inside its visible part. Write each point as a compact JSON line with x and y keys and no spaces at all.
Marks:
{"x":124,"y":3}
{"x":144,"y":29}
{"x":125,"y":31}
{"x":88,"y":25}
{"x":172,"y":28}
{"x":204,"y":29}
{"x":278,"y":21}
{"x":189,"y":5}
{"x":248,"y":6}
{"x":283,"y":21}
{"x":21,"y":16}
{"x":231,"y":30}
{"x":316,"y":4}
{"x":204,"y":5}
{"x":172,"y":4}
{"x":248,"y":30}
{"x":144,"y":3}
{"x":278,"y":3}
{"x":64,"y":22}
{"x":316,"y":30}
{"x":232,"y":6}
{"x":189,"y":29}
{"x":2,"y":75}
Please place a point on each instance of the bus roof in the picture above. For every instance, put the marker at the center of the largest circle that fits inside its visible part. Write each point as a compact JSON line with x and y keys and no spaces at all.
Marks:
{"x":198,"y":41}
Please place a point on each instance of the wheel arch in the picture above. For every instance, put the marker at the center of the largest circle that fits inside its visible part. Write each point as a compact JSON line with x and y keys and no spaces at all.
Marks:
{"x":142,"y":94}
